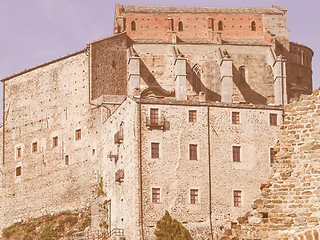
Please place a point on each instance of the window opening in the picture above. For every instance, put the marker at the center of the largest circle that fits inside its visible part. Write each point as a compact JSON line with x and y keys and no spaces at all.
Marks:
{"x":193,"y":152}
{"x":156,"y":195}
{"x":78,"y":134}
{"x":236,"y":153}
{"x":194,"y":196}
{"x":237,"y":198}
{"x":253,"y":26}
{"x":155,"y":150}
{"x":133,"y":26}
{"x":180,"y":26}
{"x":235,"y":118}
{"x":220,"y":26}
{"x":273,"y":119}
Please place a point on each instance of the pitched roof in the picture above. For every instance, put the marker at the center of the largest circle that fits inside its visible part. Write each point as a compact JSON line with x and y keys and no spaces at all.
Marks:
{"x":156,"y":9}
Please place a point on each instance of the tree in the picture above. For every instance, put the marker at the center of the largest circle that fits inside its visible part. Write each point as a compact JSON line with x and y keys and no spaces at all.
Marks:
{"x":170,"y":229}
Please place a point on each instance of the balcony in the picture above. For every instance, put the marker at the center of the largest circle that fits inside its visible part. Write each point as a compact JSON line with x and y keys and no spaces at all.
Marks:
{"x":119,"y":175}
{"x":118,"y":137}
{"x":158,"y":123}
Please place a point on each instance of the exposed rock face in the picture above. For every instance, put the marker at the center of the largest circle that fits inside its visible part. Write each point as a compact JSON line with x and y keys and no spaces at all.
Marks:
{"x":289,"y":206}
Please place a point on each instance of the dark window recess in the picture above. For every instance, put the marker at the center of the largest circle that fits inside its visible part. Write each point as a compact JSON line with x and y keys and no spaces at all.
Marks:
{"x":18,"y":171}
{"x":236,"y":153}
{"x":237,"y":198}
{"x":180,"y":27}
{"x":119,"y":176}
{"x":133,"y":26}
{"x":193,"y":152}
{"x":253,"y":26}
{"x":192,"y":115}
{"x":112,"y":156}
{"x":118,"y":137}
{"x":155,"y":149}
{"x":34,"y":147}
{"x":66,"y":159}
{"x":54,"y":141}
{"x":156,"y":195}
{"x":271,"y":155}
{"x":220,"y":26}
{"x":194,"y":196}
{"x":19,"y":152}
{"x":273,"y":119}
{"x":78,"y":134}
{"x":235,"y":118}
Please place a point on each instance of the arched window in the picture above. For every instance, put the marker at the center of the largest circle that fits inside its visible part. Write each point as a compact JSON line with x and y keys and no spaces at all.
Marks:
{"x":180,"y":26}
{"x":220,"y":26}
{"x":196,"y":78}
{"x":253,"y":26}
{"x":242,"y":72}
{"x":133,"y":26}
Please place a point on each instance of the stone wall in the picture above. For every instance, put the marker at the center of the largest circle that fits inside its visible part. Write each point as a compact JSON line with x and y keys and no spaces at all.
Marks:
{"x":157,"y":70}
{"x":46,"y":103}
{"x":108,"y":66}
{"x":289,"y":203}
{"x":175,"y":174}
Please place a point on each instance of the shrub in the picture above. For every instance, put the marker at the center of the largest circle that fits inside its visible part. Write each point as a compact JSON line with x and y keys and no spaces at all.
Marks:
{"x":71,"y":220}
{"x":170,"y":229}
{"x":47,"y":234}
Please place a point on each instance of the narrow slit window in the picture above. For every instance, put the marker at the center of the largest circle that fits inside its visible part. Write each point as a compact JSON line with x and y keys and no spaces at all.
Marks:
{"x":253,"y":26}
{"x":18,"y":171}
{"x":133,"y":26}
{"x":55,"y":141}
{"x":180,"y":26}
{"x":66,"y":159}
{"x":220,"y":26}
{"x":34,"y":147}
{"x":78,"y":134}
{"x":19,"y":152}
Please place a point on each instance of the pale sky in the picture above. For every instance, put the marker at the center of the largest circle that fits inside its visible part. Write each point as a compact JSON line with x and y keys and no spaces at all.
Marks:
{"x":33,"y":32}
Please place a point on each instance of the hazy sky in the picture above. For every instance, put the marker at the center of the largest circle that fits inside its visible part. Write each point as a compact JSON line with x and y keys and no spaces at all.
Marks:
{"x":33,"y":32}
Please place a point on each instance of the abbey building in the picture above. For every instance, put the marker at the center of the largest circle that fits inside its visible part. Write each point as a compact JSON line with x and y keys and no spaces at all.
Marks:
{"x":179,"y":110}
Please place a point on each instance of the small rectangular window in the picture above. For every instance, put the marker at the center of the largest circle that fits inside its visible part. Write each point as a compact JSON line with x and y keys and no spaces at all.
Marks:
{"x":78,"y":134}
{"x":271,"y":155}
{"x":19,"y":152}
{"x":66,"y":159}
{"x":235,"y":118}
{"x":237,"y":198}
{"x":193,"y":152}
{"x":154,"y":116}
{"x":236,"y":153}
{"x":156,"y":195}
{"x":273,"y":119}
{"x":192,"y":115}
{"x":34,"y":147}
{"x":18,"y":171}
{"x":194,"y":196}
{"x":55,"y":141}
{"x":155,"y":150}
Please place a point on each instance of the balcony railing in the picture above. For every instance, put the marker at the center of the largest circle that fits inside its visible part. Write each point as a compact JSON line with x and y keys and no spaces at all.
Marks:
{"x":156,"y":123}
{"x":118,"y":137}
{"x":119,"y":176}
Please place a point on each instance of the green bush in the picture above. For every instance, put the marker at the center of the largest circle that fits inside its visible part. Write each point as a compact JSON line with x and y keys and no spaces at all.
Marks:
{"x":170,"y":229}
{"x":47,"y":234}
{"x":9,"y":231}
{"x":71,"y":220}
